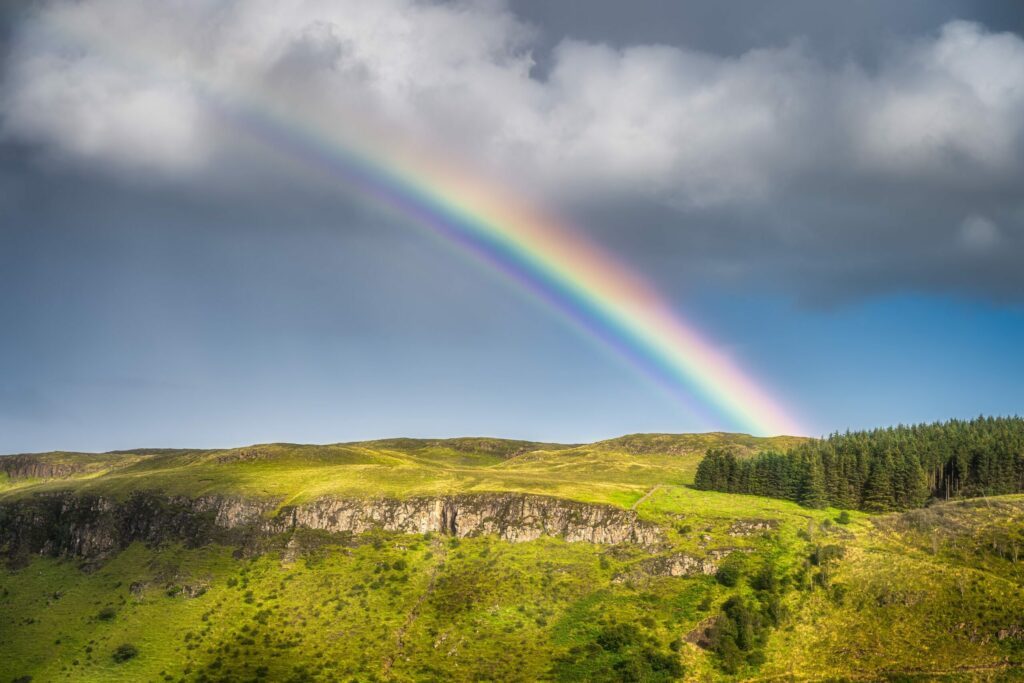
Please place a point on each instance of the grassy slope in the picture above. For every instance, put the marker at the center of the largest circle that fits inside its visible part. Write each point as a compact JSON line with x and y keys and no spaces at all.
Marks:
{"x":617,"y":471}
{"x":927,"y":591}
{"x":478,"y":609}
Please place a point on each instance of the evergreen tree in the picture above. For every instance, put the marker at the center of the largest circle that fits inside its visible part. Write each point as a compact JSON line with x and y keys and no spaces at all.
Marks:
{"x":812,"y":486}
{"x":883,"y":469}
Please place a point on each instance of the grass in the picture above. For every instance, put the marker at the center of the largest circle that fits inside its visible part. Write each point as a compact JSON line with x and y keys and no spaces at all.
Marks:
{"x":618,"y":471}
{"x":484,"y":610}
{"x":931,"y":592}
{"x":934,"y":593}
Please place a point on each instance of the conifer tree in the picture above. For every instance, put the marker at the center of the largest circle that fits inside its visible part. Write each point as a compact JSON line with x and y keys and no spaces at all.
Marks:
{"x":812,"y":486}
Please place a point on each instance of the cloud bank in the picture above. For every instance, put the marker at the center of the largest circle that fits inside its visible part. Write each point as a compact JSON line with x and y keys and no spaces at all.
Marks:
{"x":848,"y":179}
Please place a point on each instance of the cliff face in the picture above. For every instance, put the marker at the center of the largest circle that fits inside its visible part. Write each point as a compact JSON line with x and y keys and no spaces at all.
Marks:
{"x":70,"y":525}
{"x":32,"y":467}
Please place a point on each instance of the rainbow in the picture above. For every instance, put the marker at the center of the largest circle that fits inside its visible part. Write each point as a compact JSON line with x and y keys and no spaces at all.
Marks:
{"x":581,"y":281}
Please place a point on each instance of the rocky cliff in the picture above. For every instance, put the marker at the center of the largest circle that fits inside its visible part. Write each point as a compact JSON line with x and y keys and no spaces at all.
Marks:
{"x":33,"y":467}
{"x":65,"y":524}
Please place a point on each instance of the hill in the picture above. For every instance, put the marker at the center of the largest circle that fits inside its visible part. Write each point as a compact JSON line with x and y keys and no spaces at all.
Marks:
{"x":485,"y":559}
{"x":609,"y":471}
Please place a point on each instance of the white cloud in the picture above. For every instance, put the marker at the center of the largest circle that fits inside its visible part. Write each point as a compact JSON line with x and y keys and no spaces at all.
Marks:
{"x":945,"y":104}
{"x":685,"y":127}
{"x":83,"y":106}
{"x":979,"y":233}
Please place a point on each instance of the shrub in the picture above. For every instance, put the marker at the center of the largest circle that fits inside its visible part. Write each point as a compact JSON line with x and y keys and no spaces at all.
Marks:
{"x":823,"y":554}
{"x":844,"y":517}
{"x":107,"y":614}
{"x":765,"y":580}
{"x":728,"y":574}
{"x":620,"y":652}
{"x":738,"y":634}
{"x":618,"y":636}
{"x":125,"y":652}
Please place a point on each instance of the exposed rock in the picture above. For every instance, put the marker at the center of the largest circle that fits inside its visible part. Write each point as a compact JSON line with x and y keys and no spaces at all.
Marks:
{"x":92,"y":527}
{"x":33,"y":467}
{"x":720,"y":553}
{"x":749,"y":527}
{"x":701,"y":634}
{"x":512,"y":517}
{"x":244,"y":454}
{"x":678,"y":564}
{"x":1014,"y":632}
{"x":188,"y":590}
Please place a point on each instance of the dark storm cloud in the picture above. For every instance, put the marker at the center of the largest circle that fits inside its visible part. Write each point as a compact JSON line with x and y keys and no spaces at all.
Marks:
{"x":832,"y":30}
{"x":826,"y":150}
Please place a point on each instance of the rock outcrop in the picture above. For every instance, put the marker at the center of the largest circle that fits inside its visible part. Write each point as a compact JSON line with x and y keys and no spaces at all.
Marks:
{"x":33,"y":467}
{"x":65,"y":524}
{"x":749,"y":527}
{"x":677,"y":564}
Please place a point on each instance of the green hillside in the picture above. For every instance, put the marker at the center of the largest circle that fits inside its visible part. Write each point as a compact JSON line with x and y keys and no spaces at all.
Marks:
{"x":618,"y":471}
{"x":734,"y":587}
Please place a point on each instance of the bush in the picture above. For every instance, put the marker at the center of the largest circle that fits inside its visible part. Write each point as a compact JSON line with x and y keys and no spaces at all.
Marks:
{"x":823,"y":554}
{"x":125,"y":652}
{"x":738,"y":634}
{"x":618,"y":636}
{"x":844,"y":517}
{"x":765,"y":580}
{"x":620,"y":652}
{"x":106,"y":614}
{"x":728,"y":574}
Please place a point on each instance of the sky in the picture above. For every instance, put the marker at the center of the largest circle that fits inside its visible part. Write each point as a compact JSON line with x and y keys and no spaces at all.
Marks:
{"x":830,"y":193}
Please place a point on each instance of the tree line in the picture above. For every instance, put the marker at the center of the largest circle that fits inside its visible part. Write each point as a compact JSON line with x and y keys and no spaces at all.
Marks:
{"x":893,"y":468}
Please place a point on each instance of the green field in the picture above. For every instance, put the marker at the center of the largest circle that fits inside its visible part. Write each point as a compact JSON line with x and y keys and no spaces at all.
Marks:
{"x":932,"y":593}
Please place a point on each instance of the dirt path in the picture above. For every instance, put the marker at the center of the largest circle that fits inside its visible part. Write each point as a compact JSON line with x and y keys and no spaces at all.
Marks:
{"x":439,"y":548}
{"x":644,"y":497}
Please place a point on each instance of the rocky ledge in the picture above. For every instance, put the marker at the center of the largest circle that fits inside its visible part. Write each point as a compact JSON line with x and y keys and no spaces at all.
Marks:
{"x":64,"y":524}
{"x":32,"y":467}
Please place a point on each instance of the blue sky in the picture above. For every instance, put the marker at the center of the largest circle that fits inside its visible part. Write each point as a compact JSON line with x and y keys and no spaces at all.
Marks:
{"x":163,"y":284}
